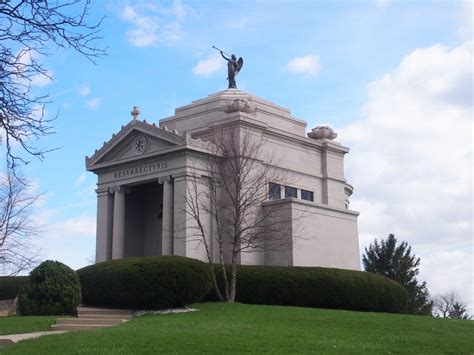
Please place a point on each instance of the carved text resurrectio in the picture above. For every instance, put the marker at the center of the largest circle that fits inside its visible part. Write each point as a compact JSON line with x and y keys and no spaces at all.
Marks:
{"x":140,"y":170}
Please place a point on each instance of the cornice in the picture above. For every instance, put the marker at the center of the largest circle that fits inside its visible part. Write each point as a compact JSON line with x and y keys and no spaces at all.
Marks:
{"x":183,"y":151}
{"x":322,"y":206}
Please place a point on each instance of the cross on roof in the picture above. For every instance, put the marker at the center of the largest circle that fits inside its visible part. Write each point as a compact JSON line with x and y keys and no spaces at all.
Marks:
{"x":135,"y":112}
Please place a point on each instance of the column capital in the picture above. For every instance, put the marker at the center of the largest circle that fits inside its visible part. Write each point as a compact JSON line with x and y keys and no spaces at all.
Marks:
{"x":162,"y":179}
{"x":102,"y":191}
{"x":183,"y":176}
{"x":119,"y":188}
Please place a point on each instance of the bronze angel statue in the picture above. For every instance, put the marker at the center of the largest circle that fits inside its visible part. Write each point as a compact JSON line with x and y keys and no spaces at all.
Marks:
{"x":233,"y":68}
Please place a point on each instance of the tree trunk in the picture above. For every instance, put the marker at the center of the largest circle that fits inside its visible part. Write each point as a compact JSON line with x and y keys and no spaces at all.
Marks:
{"x":214,"y":281}
{"x":233,"y":278}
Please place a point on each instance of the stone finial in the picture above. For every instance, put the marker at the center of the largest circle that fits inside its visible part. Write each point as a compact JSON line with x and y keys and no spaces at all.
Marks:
{"x":135,"y":112}
{"x":322,"y":132}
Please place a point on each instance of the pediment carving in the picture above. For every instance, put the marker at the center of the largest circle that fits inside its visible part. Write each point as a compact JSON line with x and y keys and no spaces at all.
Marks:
{"x":135,"y":139}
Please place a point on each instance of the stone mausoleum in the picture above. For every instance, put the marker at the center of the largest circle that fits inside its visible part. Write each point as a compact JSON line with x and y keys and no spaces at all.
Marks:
{"x":144,"y":170}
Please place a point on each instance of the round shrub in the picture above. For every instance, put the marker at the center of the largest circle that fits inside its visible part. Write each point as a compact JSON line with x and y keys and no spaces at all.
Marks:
{"x":318,"y":287}
{"x":10,"y":286}
{"x":52,"y":289}
{"x":145,"y":283}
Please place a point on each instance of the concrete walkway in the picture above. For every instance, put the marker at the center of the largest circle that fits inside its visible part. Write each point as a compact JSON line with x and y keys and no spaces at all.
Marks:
{"x":15,"y":338}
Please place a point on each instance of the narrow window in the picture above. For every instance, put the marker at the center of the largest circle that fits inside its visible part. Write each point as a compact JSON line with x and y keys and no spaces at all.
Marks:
{"x":307,"y":195}
{"x":290,"y":192}
{"x":274,"y":191}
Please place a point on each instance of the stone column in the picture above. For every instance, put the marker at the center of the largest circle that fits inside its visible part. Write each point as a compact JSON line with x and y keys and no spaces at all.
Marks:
{"x":118,"y":244}
{"x":168,"y":215}
{"x":181,"y":219}
{"x":103,"y":251}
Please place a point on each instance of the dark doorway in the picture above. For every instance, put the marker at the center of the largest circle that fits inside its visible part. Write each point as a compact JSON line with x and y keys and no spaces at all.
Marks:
{"x":143,"y":220}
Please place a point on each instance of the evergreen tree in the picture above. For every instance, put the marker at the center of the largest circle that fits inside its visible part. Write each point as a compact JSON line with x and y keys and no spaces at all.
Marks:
{"x":450,"y":305}
{"x":397,"y":263}
{"x":458,"y":311}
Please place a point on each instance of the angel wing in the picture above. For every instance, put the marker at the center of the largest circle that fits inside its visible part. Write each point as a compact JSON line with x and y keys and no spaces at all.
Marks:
{"x":240,"y":62}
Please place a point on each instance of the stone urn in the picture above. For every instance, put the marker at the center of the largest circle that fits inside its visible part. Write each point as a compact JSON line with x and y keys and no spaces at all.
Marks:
{"x":322,"y":132}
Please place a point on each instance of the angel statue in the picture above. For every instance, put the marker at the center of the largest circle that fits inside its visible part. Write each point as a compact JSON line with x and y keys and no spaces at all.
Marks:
{"x":233,"y":68}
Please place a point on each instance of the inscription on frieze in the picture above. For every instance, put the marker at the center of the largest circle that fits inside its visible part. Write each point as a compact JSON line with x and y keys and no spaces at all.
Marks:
{"x":140,"y":170}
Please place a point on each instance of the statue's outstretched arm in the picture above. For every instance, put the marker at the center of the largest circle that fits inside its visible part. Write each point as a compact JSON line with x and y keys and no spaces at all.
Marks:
{"x":223,"y":56}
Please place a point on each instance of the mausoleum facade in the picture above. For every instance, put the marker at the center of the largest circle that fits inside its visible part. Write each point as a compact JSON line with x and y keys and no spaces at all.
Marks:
{"x":144,"y":172}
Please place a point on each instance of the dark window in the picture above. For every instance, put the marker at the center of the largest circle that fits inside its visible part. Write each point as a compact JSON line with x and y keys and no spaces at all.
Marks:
{"x":307,"y":195}
{"x":274,"y":191}
{"x":290,"y":192}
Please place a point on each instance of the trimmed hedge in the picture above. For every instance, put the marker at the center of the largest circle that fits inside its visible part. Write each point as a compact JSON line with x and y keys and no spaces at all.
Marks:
{"x":10,"y":286}
{"x":145,"y":283}
{"x":52,"y":289}
{"x":317,"y":287}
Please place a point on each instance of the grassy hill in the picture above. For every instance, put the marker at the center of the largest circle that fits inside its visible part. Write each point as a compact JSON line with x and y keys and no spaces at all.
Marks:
{"x":239,"y":328}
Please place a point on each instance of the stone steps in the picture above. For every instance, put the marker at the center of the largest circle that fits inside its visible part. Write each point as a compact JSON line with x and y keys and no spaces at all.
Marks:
{"x":89,"y":321}
{"x":106,"y":316}
{"x":87,"y":311}
{"x":91,"y":318}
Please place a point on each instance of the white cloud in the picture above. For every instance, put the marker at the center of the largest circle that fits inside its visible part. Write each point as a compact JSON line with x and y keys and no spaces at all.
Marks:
{"x":411,"y":162}
{"x":25,"y":59}
{"x":382,"y":4}
{"x":465,"y":16}
{"x":41,"y":80}
{"x":240,"y":23}
{"x":153,"y":23}
{"x":87,"y":191}
{"x":83,"y":90}
{"x":73,"y":227}
{"x":442,"y":269}
{"x":308,"y":64}
{"x":70,"y":240}
{"x":209,"y":66}
{"x":93,"y":103}
{"x":80,"y":179}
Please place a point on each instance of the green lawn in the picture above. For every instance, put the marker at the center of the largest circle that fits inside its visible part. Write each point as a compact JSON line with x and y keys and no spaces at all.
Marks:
{"x":16,"y":325}
{"x":238,"y":328}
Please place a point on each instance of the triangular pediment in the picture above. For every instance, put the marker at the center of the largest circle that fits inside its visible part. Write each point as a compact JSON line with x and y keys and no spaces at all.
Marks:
{"x":136,"y":139}
{"x":134,"y":144}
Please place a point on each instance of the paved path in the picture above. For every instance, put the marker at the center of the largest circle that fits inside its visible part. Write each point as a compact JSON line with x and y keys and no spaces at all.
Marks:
{"x":15,"y":338}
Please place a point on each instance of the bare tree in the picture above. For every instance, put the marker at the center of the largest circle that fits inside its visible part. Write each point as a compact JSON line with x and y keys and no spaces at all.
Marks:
{"x":450,"y":305}
{"x":30,"y":30}
{"x":16,"y":226}
{"x":233,"y":195}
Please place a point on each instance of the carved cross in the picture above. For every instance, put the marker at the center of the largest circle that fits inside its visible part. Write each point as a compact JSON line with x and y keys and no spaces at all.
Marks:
{"x":135,"y":112}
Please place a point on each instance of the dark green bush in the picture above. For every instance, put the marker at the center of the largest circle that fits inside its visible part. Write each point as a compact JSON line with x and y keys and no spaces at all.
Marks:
{"x":10,"y":286}
{"x":145,"y":283}
{"x":317,"y":287}
{"x":52,"y":289}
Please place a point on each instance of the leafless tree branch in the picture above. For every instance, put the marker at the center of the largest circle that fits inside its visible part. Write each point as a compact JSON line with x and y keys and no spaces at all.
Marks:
{"x":30,"y":30}
{"x":17,"y":253}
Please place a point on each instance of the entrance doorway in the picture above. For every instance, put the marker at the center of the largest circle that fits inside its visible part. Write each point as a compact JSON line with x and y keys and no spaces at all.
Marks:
{"x":143,"y":220}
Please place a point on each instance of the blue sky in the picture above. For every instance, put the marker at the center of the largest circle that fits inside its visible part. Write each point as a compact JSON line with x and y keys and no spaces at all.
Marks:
{"x":394,"y":78}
